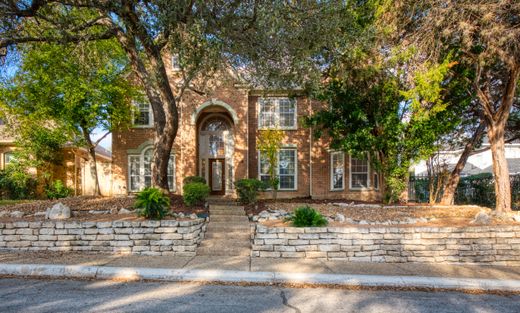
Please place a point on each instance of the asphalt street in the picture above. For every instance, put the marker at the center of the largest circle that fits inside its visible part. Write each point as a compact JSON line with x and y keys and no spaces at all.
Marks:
{"x":24,"y":295}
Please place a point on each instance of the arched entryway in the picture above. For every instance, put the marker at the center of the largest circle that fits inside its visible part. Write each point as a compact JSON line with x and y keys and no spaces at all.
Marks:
{"x":215,"y":151}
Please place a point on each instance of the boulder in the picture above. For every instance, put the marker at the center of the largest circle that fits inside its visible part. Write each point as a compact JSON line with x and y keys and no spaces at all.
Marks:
{"x":42,"y":213}
{"x":59,"y":211}
{"x":516,"y":218}
{"x":17,"y":214}
{"x":193,"y":216}
{"x":3,"y":213}
{"x":339,"y":218}
{"x":481,"y":218}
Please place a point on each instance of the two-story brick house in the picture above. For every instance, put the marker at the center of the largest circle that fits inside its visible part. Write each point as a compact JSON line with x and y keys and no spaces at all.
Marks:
{"x":217,"y":140}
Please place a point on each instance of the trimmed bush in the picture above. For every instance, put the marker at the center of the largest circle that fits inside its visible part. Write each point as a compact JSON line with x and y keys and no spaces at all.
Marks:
{"x":195,"y":193}
{"x":307,"y":217}
{"x":16,"y":184}
{"x":151,"y":203}
{"x":57,"y":190}
{"x":193,"y":179}
{"x":248,"y":189}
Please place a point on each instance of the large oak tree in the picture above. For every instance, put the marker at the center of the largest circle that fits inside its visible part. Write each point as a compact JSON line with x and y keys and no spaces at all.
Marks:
{"x":276,"y":38}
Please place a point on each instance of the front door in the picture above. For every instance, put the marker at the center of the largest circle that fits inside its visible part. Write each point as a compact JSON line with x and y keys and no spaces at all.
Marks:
{"x":217,"y":177}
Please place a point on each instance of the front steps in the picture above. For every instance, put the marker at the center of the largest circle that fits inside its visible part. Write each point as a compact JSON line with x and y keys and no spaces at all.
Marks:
{"x":228,"y":232}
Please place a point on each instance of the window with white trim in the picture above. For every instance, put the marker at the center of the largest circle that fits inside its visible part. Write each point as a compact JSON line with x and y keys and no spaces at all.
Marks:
{"x":140,"y":171}
{"x":176,"y":63}
{"x":286,"y":171}
{"x":359,"y":169}
{"x":277,"y":113}
{"x":143,"y":116}
{"x":337,"y":170}
{"x":8,"y":158}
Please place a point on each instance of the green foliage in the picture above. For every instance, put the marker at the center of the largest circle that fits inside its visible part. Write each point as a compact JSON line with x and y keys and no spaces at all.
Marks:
{"x":16,"y":183}
{"x":57,"y":190}
{"x":194,"y":179}
{"x":269,"y":143}
{"x":151,"y":203}
{"x":307,"y":217}
{"x":248,"y":189}
{"x":370,"y":115}
{"x":195,"y":193}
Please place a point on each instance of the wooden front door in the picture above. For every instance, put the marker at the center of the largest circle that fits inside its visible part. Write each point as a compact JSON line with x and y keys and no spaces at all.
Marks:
{"x":217,"y":176}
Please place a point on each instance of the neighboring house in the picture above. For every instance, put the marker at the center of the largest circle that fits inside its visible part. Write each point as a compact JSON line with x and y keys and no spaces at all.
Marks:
{"x":480,"y":161}
{"x":74,"y":170}
{"x":217,"y":140}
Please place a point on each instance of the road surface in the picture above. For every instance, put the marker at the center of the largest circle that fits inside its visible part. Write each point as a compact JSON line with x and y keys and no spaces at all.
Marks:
{"x":24,"y":295}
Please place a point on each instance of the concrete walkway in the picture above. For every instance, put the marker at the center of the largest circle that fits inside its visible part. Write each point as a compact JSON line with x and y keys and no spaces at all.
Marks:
{"x":255,"y":270}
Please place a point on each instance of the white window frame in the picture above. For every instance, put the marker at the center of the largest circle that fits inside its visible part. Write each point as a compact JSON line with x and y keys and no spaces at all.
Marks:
{"x":150,"y":117}
{"x":350,"y":175}
{"x":277,"y":101}
{"x":332,"y":154}
{"x":176,"y":63}
{"x":295,"y":151}
{"x":141,"y":171}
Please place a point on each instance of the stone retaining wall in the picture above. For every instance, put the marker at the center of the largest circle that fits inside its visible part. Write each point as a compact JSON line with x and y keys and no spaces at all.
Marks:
{"x":167,"y":237}
{"x":498,"y":245}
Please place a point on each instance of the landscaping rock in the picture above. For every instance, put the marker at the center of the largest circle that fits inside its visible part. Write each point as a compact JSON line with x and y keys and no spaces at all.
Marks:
{"x":516,"y":218}
{"x":99,"y":212}
{"x":193,"y":216}
{"x":363,"y":222}
{"x":339,"y":218}
{"x":124,"y":211}
{"x":481,"y":218}
{"x":58,"y":211}
{"x":40,"y":213}
{"x":3,"y":213}
{"x":17,"y":214}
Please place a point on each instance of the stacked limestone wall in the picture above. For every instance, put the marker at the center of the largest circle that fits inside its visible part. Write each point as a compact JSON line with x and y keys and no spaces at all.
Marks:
{"x":499,"y":245}
{"x":167,"y":237}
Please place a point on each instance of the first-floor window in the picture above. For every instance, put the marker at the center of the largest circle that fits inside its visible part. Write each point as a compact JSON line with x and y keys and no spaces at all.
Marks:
{"x":286,"y":170}
{"x":359,"y":173}
{"x":140,"y":171}
{"x":8,"y":158}
{"x":337,"y":170}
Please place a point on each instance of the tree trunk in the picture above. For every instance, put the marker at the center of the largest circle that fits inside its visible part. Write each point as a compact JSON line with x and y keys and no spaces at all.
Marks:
{"x":93,"y":165}
{"x":500,"y":169}
{"x":448,"y":195}
{"x":496,"y":120}
{"x":155,"y":81}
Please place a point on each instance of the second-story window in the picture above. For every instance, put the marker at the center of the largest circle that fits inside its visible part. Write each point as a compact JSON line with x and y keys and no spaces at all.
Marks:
{"x":277,"y":113}
{"x":143,"y":116}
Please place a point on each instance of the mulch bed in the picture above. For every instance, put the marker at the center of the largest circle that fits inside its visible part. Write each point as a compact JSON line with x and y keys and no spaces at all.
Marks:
{"x":82,"y":204}
{"x":443,"y":216}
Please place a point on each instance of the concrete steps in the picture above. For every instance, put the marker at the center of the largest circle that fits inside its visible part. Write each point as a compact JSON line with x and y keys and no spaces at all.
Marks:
{"x":228,"y":232}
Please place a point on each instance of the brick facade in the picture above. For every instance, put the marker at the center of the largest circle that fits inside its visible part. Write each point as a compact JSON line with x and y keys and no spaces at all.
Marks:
{"x":239,"y":105}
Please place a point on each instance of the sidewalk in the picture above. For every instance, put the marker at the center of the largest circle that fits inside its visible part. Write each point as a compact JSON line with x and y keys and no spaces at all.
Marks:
{"x":256,"y":270}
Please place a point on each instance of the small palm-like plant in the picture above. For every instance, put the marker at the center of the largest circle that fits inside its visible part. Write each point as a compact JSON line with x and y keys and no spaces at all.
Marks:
{"x":307,"y":217}
{"x":151,"y":203}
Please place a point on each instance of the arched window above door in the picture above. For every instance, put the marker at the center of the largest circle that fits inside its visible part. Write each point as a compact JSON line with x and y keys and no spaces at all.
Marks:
{"x":215,"y":124}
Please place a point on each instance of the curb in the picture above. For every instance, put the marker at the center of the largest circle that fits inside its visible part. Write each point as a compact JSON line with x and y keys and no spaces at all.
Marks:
{"x":221,"y":276}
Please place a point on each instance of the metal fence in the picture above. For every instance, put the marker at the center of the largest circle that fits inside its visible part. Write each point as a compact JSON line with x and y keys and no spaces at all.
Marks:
{"x":476,"y":189}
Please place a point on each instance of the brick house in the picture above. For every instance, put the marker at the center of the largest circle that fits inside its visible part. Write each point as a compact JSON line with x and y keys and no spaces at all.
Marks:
{"x":74,"y":170}
{"x":217,"y":140}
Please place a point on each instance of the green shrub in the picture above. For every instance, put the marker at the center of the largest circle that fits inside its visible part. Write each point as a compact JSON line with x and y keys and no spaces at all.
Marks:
{"x":17,"y":184}
{"x":307,"y":217}
{"x":195,"y":193}
{"x":248,"y":189}
{"x":194,"y":179}
{"x":57,"y":190}
{"x":151,"y":203}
